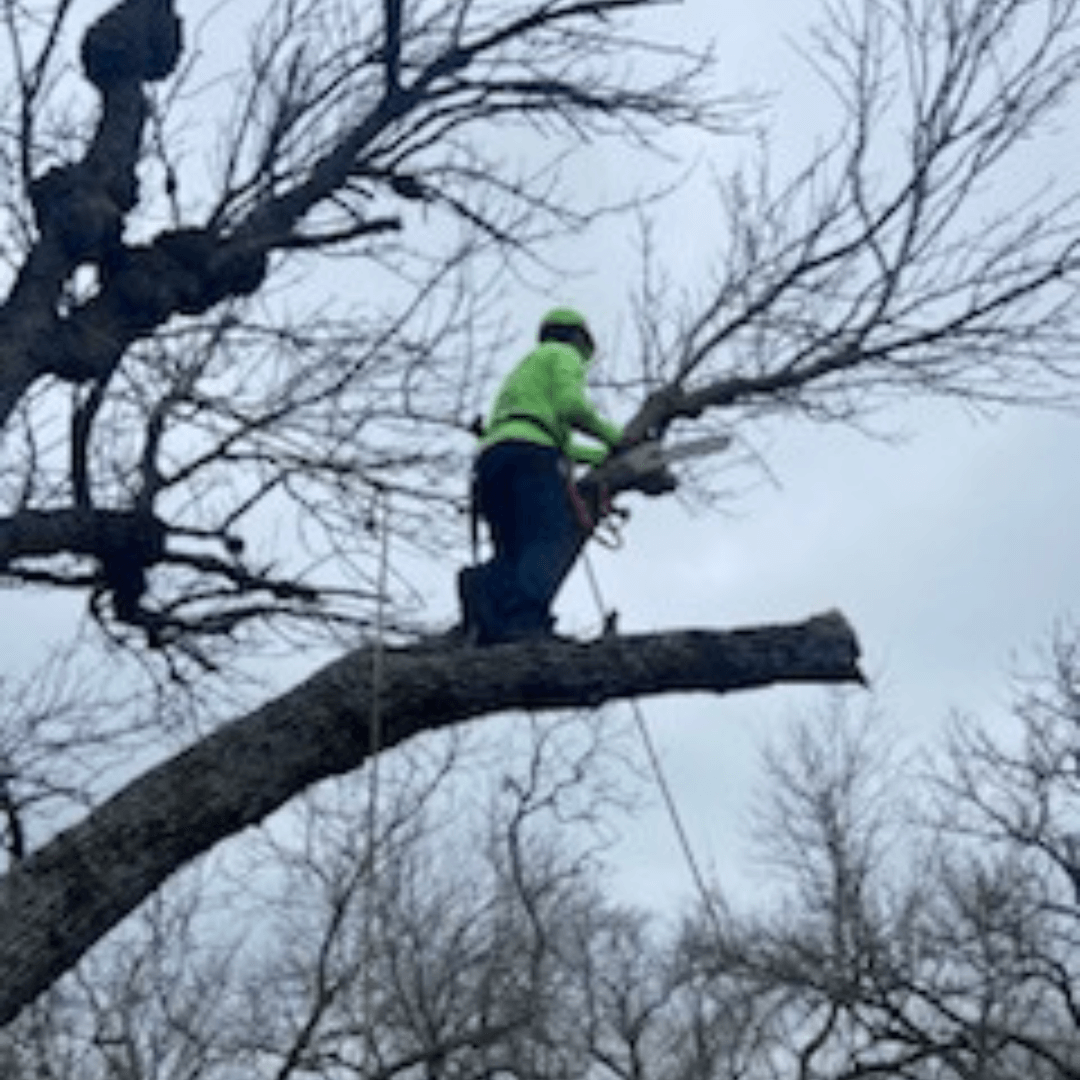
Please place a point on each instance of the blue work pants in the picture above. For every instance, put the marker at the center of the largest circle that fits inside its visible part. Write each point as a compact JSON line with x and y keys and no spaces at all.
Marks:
{"x":521,"y":488}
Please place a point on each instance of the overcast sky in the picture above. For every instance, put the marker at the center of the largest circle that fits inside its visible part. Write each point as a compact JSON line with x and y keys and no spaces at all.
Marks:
{"x":952,"y":557}
{"x":951,"y":553}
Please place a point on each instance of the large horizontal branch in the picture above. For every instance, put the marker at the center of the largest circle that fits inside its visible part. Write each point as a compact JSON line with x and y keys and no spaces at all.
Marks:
{"x":57,"y":903}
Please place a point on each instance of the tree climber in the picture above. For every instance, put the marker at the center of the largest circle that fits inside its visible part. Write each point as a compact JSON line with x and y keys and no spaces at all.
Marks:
{"x":521,"y":485}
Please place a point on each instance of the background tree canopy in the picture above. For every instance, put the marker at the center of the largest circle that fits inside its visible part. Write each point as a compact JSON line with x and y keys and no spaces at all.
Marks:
{"x":257,"y":265}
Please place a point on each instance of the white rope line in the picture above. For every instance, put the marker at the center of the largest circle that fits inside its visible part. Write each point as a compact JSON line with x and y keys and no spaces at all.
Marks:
{"x":375,"y":731}
{"x":657,"y":768}
{"x":381,"y":522}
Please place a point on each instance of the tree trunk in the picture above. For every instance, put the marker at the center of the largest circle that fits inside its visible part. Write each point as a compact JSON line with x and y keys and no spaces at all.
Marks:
{"x":57,"y":903}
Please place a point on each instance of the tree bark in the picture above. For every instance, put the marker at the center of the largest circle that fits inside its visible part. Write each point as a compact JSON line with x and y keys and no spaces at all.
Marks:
{"x":62,"y":899}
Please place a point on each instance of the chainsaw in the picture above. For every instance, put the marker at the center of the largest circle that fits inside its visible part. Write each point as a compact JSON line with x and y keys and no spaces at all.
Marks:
{"x":649,"y":459}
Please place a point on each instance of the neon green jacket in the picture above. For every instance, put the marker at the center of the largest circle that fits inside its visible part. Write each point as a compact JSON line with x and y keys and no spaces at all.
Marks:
{"x":543,"y":401}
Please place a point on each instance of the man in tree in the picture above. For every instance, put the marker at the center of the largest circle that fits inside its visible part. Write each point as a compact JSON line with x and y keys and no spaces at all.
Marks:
{"x":521,"y":484}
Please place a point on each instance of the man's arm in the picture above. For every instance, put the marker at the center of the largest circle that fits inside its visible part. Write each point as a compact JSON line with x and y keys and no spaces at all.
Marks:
{"x":574,"y":408}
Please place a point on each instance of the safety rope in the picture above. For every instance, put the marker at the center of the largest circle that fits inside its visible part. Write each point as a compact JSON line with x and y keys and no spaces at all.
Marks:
{"x":380,"y":523}
{"x":657,"y":768}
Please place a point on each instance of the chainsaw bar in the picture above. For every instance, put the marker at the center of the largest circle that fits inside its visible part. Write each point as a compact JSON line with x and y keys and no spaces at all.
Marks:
{"x":650,"y":456}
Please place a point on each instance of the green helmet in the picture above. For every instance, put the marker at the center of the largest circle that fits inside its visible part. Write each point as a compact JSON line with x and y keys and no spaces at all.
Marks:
{"x":566,"y":324}
{"x":564,"y":316}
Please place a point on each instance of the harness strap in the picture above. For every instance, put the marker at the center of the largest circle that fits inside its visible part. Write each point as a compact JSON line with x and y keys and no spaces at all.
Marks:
{"x":529,"y":419}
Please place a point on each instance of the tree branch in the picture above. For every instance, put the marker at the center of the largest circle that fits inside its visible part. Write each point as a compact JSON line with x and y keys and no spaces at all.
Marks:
{"x":62,"y":899}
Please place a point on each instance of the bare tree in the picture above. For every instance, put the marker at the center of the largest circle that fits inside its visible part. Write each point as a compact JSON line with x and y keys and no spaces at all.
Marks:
{"x":162,"y":399}
{"x":898,"y":940}
{"x":890,"y":266}
{"x":158,"y":1002}
{"x":1015,"y":793}
{"x":416,"y":944}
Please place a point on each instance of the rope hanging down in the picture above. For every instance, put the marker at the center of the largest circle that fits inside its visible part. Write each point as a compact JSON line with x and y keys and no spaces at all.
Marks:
{"x":657,"y":769}
{"x":379,"y":523}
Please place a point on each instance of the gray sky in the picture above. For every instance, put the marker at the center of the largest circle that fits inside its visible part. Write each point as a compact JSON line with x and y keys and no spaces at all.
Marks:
{"x":951,"y":556}
{"x":950,"y":553}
